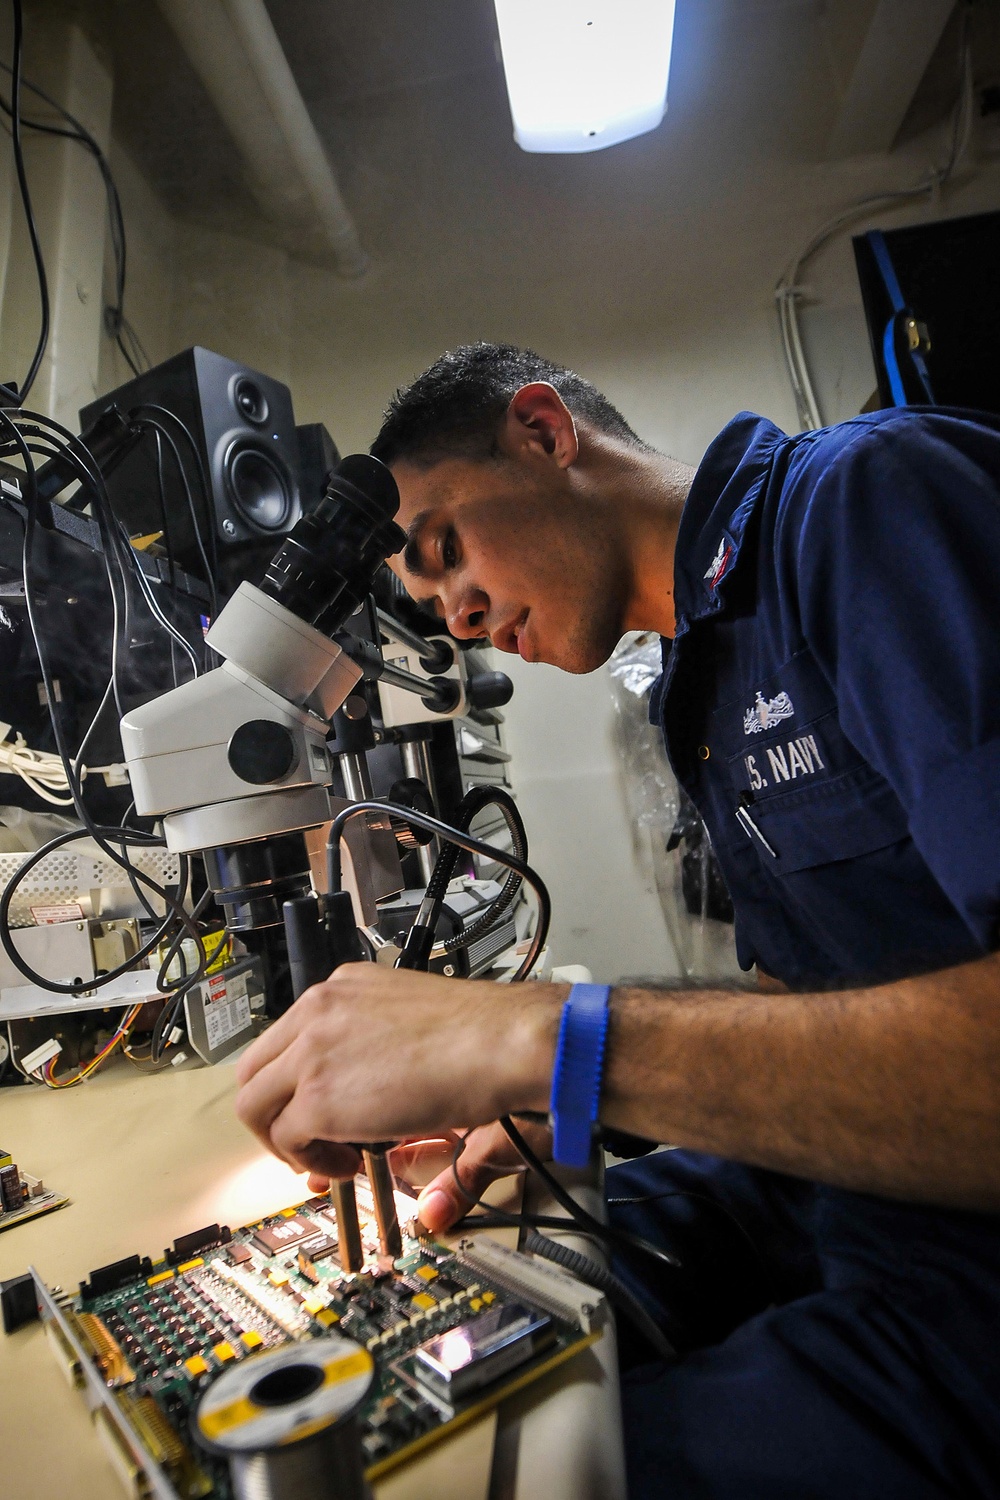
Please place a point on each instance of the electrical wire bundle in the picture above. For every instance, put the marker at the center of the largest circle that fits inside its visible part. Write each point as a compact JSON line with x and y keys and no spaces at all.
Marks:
{"x":47,"y":1071}
{"x":116,"y":324}
{"x":22,"y":435}
{"x":41,"y":771}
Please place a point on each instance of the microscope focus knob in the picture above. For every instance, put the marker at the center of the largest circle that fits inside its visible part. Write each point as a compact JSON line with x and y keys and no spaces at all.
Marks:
{"x":262,"y":751}
{"x":489,"y":690}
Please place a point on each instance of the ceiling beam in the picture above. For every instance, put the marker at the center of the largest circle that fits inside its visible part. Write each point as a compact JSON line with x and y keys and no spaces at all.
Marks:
{"x":890,"y":57}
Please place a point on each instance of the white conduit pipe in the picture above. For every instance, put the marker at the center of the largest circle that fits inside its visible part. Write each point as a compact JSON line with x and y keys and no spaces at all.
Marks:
{"x":235,"y":51}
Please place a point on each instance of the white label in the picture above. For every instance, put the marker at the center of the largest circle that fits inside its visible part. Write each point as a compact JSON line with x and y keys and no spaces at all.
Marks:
{"x":65,"y":911}
{"x":225,"y":1018}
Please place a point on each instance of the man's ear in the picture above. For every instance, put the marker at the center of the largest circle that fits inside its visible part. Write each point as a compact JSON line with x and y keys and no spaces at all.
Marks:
{"x":539,"y":420}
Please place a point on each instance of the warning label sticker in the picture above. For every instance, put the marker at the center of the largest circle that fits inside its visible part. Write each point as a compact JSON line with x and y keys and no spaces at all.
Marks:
{"x":63,"y":911}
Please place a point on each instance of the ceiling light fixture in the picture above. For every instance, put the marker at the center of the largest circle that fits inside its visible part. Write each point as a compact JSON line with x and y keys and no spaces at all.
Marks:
{"x":585,"y":74}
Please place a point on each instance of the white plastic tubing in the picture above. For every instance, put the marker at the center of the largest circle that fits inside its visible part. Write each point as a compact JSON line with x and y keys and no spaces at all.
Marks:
{"x":235,"y":51}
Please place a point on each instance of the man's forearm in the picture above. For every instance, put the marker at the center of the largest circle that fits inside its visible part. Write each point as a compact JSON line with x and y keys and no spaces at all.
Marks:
{"x":892,"y":1090}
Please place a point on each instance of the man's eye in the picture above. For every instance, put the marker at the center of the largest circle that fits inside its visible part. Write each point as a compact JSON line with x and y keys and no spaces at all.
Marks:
{"x":449,"y":550}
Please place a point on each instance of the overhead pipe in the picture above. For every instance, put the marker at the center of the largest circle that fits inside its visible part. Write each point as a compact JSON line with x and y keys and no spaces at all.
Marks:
{"x":234,"y":49}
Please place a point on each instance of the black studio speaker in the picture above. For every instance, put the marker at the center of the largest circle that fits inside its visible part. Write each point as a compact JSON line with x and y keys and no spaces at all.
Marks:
{"x":243,"y":427}
{"x":318,"y":457}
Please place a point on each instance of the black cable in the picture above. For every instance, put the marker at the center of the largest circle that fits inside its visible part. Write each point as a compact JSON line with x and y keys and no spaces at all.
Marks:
{"x":24,"y":869}
{"x":416,"y":951}
{"x":464,"y":841}
{"x":502,"y":1218}
{"x":161,"y":492}
{"x":170,"y":1014}
{"x":155,"y":413}
{"x":574,"y":1209}
{"x":115,"y":548}
{"x":579,"y":1221}
{"x":69,"y":448}
{"x":115,"y":322}
{"x":474,"y":801}
{"x":72,"y":452}
{"x":140,"y":415}
{"x":29,"y":215}
{"x":721,"y":1208}
{"x":617,"y":1293}
{"x":76,"y":453}
{"x":140,"y":895}
{"x":116,"y":544}
{"x":162,"y":983}
{"x":146,"y":589}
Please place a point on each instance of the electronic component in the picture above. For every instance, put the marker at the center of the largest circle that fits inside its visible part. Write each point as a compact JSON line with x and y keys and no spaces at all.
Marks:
{"x":11,"y":1191}
{"x":188,"y":1245}
{"x":320,"y":1249}
{"x":283,"y":1235}
{"x":534,"y":1280}
{"x":306,"y":1259}
{"x":155,"y":1342}
{"x":114,"y":1366}
{"x":17,"y":1301}
{"x":468,"y":1357}
{"x":23,"y":1197}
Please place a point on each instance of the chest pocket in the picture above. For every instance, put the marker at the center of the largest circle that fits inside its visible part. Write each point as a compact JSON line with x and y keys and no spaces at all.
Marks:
{"x":797,"y":790}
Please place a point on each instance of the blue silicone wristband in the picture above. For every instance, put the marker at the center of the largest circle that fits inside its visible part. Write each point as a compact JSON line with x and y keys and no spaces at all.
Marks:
{"x":576,"y":1077}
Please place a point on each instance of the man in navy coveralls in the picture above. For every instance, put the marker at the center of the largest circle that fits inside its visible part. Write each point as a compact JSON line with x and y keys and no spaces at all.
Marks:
{"x":831,"y":702}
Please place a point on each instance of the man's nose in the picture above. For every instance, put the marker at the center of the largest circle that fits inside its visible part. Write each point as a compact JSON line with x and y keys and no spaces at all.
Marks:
{"x":466,"y":615}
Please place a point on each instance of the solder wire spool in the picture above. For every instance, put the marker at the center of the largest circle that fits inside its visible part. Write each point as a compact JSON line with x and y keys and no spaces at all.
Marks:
{"x":287,"y":1421}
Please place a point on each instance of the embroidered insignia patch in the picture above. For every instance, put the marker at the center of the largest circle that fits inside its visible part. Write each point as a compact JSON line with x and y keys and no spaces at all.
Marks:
{"x":720,"y":562}
{"x":766,"y":713}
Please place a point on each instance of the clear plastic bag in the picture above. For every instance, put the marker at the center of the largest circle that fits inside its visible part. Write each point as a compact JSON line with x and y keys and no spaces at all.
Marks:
{"x":650,"y":785}
{"x":669,"y":836}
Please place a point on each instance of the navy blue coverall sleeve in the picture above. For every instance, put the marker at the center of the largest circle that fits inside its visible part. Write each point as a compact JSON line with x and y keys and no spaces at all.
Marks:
{"x":894,"y":541}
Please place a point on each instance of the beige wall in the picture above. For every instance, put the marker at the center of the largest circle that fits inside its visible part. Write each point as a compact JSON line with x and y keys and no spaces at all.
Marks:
{"x":673,"y":318}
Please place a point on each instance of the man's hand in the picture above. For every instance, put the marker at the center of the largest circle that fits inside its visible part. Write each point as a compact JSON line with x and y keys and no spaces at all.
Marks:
{"x":487,"y":1154}
{"x":385,"y":1054}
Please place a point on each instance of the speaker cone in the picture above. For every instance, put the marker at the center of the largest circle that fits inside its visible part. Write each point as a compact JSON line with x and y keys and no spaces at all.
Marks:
{"x":249,"y":400}
{"x":259,"y":487}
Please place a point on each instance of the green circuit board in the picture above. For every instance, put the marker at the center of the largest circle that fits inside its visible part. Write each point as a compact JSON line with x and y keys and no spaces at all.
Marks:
{"x":158,"y":1333}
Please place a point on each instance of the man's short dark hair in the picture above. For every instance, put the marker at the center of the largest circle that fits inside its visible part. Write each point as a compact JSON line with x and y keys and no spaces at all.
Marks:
{"x":454,"y":409}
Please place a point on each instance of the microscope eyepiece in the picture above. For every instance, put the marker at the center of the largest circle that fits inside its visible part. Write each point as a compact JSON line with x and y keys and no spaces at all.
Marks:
{"x":326,"y":565}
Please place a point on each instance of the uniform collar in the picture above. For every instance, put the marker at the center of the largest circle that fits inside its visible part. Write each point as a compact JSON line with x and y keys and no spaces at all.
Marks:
{"x":720,"y":502}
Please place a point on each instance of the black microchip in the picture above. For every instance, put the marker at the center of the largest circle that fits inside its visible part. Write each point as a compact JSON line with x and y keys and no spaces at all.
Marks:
{"x":321,"y":1249}
{"x":443,"y":1286}
{"x":273,"y":1238}
{"x":239,"y":1254}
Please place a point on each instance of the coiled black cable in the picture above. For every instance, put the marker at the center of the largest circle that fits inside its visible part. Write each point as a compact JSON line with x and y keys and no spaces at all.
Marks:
{"x":464,"y":841}
{"x":617,"y":1293}
{"x":417,"y":949}
{"x":14,"y":436}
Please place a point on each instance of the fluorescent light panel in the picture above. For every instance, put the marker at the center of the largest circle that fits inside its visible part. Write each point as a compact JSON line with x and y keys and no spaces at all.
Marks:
{"x":584,"y":76}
